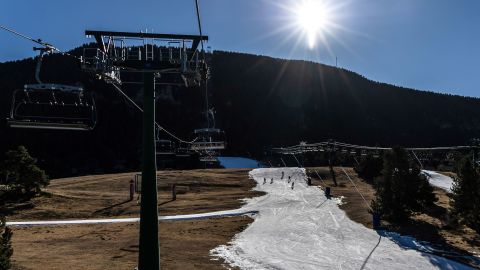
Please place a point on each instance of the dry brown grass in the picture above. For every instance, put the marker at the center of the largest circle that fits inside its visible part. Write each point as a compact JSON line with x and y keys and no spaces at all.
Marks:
{"x":107,"y":195}
{"x":184,"y":244}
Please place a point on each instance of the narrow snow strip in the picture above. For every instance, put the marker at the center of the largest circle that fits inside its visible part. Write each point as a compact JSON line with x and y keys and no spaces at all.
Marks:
{"x":439,"y":180}
{"x":300,"y":228}
{"x":70,"y":222}
{"x":217,"y":214}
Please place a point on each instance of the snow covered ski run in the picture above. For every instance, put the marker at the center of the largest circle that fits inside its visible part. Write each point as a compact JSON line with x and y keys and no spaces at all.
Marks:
{"x":301,"y":229}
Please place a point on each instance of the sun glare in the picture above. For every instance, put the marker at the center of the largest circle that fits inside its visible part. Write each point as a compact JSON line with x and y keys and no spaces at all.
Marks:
{"x":313,"y":19}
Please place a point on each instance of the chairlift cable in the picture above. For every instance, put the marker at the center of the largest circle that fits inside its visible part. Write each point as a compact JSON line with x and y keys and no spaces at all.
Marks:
{"x":348,"y":176}
{"x":39,"y":41}
{"x":199,"y":21}
{"x":318,"y":175}
{"x":156,"y":124}
{"x":200,"y":28}
{"x":418,"y":160}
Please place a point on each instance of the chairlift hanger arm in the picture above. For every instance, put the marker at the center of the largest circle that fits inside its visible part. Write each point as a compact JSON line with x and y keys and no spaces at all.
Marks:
{"x":98,"y":35}
{"x":47,"y":47}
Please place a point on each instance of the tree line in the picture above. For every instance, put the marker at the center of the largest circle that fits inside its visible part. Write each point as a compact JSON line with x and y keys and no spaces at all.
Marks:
{"x":259,"y":101}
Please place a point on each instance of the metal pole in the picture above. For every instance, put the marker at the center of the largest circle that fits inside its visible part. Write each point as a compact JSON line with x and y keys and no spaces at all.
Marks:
{"x":149,"y":250}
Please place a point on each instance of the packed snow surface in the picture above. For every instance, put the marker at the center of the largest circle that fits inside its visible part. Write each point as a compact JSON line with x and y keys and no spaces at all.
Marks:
{"x":439,"y":180}
{"x":300,"y":228}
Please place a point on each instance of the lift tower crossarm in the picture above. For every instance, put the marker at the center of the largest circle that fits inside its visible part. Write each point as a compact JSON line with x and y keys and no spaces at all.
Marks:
{"x":98,"y":35}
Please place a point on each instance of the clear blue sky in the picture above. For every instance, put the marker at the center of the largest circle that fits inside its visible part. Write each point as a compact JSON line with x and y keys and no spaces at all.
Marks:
{"x":424,"y":44}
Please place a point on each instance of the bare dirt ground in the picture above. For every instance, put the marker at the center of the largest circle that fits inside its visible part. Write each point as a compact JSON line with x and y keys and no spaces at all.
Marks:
{"x":184,"y":244}
{"x":428,"y":226}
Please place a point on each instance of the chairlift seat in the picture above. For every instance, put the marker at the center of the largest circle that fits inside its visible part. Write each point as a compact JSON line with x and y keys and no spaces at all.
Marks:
{"x":209,"y":139}
{"x":47,"y":125}
{"x":51,"y":106}
{"x":165,"y":147}
{"x":208,"y":159}
{"x":207,"y":131}
{"x":201,"y":146}
{"x":183,"y":152}
{"x":53,"y":86}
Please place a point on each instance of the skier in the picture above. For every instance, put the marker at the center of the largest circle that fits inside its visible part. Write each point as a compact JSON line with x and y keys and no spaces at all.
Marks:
{"x":264,"y":180}
{"x":271,"y":181}
{"x":289,"y":178}
{"x":293,"y":183}
{"x":282,"y":175}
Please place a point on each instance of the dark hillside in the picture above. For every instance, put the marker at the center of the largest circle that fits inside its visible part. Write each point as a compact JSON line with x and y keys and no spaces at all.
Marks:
{"x":272,"y":101}
{"x":260,"y":102}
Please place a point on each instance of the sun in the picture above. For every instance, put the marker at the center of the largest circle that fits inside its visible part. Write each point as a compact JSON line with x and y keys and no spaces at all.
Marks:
{"x":313,"y":17}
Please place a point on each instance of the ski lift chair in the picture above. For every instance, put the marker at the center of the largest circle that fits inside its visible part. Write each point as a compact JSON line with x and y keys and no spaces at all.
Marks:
{"x":209,"y":139}
{"x":52,"y":106}
{"x":165,"y":147}
{"x":183,"y":152}
{"x":208,"y":156}
{"x":165,"y":154}
{"x":208,"y":159}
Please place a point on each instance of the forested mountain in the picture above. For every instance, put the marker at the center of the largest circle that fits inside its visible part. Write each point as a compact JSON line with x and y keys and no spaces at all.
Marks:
{"x":260,"y":102}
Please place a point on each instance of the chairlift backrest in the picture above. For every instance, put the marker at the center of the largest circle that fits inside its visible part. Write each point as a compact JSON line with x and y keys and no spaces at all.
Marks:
{"x":164,"y":147}
{"x":52,"y":106}
{"x":208,"y":159}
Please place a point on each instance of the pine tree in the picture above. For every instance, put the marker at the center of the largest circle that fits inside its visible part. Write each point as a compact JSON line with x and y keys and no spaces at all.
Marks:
{"x":6,"y":250}
{"x":465,"y":197}
{"x":425,"y":196}
{"x":402,"y":190}
{"x":22,"y":173}
{"x":370,"y":167}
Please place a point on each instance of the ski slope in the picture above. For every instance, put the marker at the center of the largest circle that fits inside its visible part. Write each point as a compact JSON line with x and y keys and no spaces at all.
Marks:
{"x":302,"y":229}
{"x":439,"y":180}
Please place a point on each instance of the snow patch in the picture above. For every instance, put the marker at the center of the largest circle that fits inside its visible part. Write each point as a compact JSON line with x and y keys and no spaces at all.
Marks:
{"x":339,"y":200}
{"x":238,"y":163}
{"x":439,"y":180}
